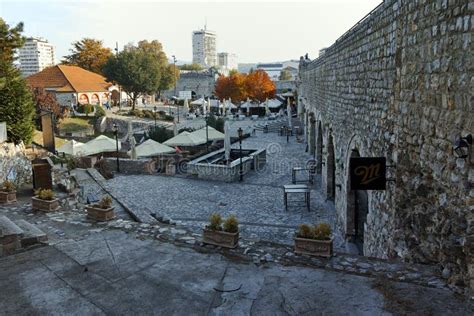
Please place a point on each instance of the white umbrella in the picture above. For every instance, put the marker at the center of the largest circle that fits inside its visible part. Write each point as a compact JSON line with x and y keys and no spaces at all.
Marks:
{"x":288,"y":110}
{"x":71,"y":148}
{"x":267,"y":110}
{"x":199,"y":101}
{"x":186,"y":106}
{"x":150,"y":148}
{"x":185,"y":139}
{"x":175,"y":128}
{"x":212,"y":133}
{"x":227,"y":140}
{"x":208,"y":105}
{"x":100,"y":144}
{"x":131,"y":140}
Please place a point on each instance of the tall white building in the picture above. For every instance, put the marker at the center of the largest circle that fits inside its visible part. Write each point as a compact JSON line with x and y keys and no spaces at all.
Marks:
{"x":204,"y":48}
{"x":36,"y":55}
{"x":227,"y":61}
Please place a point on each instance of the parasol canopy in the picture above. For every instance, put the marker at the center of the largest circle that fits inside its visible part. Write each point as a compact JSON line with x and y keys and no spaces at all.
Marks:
{"x":185,"y":139}
{"x":151,"y":148}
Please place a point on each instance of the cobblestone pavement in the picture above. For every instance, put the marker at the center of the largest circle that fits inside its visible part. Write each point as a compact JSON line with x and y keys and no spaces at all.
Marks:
{"x":257,"y":201}
{"x":93,"y":270}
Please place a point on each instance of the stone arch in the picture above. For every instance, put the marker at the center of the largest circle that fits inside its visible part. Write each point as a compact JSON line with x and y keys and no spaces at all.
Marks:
{"x":330,"y":169}
{"x":357,"y":203}
{"x":319,"y":148}
{"x":312,"y":134}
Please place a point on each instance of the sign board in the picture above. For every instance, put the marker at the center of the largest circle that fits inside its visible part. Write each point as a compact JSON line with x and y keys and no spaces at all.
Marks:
{"x":3,"y":132}
{"x":185,"y":95}
{"x":367,"y":173}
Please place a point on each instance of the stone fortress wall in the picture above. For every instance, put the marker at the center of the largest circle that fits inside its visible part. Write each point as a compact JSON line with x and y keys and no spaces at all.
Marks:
{"x":400,"y":85}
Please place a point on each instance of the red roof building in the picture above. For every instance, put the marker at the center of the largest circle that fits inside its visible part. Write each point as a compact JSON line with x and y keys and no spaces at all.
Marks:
{"x":72,"y":85}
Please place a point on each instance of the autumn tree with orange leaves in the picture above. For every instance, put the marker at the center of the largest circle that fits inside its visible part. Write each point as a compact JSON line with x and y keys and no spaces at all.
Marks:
{"x":256,"y":85}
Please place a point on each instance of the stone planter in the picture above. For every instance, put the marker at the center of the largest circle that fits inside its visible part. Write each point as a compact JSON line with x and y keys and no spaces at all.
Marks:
{"x":100,"y":214}
{"x":38,"y":204}
{"x":312,"y":247}
{"x":7,"y":197}
{"x":220,"y":238}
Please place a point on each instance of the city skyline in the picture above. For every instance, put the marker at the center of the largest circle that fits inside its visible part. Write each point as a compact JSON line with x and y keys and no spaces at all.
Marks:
{"x":252,"y":31}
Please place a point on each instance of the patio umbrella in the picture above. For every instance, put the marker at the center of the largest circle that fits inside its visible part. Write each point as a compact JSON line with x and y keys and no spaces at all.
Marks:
{"x":186,"y":106}
{"x":71,"y":148}
{"x":212,"y":133}
{"x":100,"y":144}
{"x":185,"y":139}
{"x":208,"y":105}
{"x":199,"y":101}
{"x":227,"y":140}
{"x":175,"y":128}
{"x":267,"y":110}
{"x":288,"y":110}
{"x":150,"y":148}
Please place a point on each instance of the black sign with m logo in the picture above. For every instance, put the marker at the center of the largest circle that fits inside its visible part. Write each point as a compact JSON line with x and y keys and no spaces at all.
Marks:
{"x":367,"y":173}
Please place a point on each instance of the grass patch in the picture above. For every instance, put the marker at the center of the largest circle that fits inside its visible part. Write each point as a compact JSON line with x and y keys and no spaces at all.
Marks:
{"x":75,"y":124}
{"x":38,"y":139}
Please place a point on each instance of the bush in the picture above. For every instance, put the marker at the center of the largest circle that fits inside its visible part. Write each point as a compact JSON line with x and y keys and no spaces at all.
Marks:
{"x":217,"y":123}
{"x":99,"y":111}
{"x":85,"y":108}
{"x":105,"y":202}
{"x":322,"y":231}
{"x":149,"y":114}
{"x":8,"y":186}
{"x":168,"y":118}
{"x":305,"y":231}
{"x":45,"y":194}
{"x":160,"y":134}
{"x":104,"y":169}
{"x":231,"y":224}
{"x":215,"y":221}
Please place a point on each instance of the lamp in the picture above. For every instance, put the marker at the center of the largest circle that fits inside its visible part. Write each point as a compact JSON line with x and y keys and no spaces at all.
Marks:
{"x":461,"y":146}
{"x":240,"y":132}
{"x":154,"y":108}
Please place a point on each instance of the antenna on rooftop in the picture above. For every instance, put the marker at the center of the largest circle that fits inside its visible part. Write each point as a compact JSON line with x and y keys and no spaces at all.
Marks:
{"x":205,"y":24}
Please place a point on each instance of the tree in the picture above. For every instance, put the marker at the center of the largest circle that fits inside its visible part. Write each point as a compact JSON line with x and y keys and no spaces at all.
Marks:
{"x":169,"y":77}
{"x":16,"y":104}
{"x":259,"y":86}
{"x":44,"y":100}
{"x":192,"y":67}
{"x":138,"y":71}
{"x":89,"y":54}
{"x":285,"y":74}
{"x":232,"y":86}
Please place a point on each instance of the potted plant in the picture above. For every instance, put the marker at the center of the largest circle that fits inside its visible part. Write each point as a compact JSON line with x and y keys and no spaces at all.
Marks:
{"x":226,"y":235}
{"x":7,"y":193}
{"x":314,"y":241}
{"x":44,"y":200}
{"x":103,"y":211}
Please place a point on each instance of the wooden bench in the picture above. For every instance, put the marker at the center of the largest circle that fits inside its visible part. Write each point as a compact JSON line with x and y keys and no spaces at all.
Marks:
{"x":297,"y":188}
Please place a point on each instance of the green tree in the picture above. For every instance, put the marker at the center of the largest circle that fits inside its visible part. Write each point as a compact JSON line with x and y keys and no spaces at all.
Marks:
{"x":89,"y":54}
{"x":16,"y":103}
{"x":285,"y":74}
{"x":169,"y":77}
{"x":192,"y":67}
{"x":137,"y":71}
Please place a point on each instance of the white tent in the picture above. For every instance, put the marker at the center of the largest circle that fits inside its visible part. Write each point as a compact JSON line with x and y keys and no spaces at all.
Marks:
{"x":287,"y":94}
{"x":288,"y":111}
{"x":185,"y":139}
{"x":100,"y":144}
{"x":71,"y":148}
{"x":150,"y":148}
{"x":212,"y":133}
{"x":227,"y":143}
{"x":274,"y":103}
{"x":199,"y":101}
{"x":175,"y":128}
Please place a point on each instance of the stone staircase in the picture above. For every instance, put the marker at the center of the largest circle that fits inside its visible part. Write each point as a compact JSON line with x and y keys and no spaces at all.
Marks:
{"x":18,"y":235}
{"x":273,"y":126}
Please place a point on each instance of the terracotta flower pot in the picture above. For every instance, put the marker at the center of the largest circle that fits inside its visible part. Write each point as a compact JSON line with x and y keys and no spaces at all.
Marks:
{"x":44,"y":205}
{"x":100,"y":214}
{"x":7,"y":197}
{"x":220,"y":238}
{"x":313,"y":247}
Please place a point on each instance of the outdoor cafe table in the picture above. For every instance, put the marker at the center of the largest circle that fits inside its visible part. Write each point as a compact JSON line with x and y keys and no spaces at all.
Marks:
{"x":296,"y":188}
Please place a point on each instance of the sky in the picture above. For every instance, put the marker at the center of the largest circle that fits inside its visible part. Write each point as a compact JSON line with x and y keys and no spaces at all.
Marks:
{"x":256,"y":31}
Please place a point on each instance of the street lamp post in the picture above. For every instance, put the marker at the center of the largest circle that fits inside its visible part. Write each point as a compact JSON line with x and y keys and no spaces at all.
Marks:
{"x":175,"y":81}
{"x":154,"y":115}
{"x":207,"y":132}
{"x":115,"y":129}
{"x":241,"y":172}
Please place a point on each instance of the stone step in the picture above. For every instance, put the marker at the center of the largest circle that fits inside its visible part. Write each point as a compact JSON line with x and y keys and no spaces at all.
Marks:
{"x":32,"y":235}
{"x":10,"y":236}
